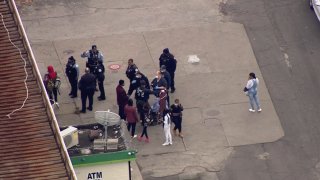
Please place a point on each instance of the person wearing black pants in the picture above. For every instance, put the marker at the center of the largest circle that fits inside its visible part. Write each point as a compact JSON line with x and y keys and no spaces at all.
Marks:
{"x":131,"y":116}
{"x":72,"y":72}
{"x":99,"y":72}
{"x":171,"y":66}
{"x":122,"y":98}
{"x":176,"y":111}
{"x":144,"y":132}
{"x":132,"y":126}
{"x":170,"y":63}
{"x":87,"y":85}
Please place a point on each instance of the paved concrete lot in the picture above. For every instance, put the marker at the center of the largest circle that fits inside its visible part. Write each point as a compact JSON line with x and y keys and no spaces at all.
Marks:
{"x":216,"y":116}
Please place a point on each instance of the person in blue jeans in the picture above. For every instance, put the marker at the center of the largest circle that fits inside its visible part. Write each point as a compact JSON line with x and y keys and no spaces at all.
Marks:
{"x":252,"y":92}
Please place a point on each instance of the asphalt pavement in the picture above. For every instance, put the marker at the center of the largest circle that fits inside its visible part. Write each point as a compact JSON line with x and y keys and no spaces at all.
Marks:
{"x":285,"y":39}
{"x":222,"y":139}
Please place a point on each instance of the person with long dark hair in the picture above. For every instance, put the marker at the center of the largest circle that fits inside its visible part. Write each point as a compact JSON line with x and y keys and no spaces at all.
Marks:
{"x":252,"y":92}
{"x":166,"y":128}
{"x":131,"y":116}
{"x":176,"y":114}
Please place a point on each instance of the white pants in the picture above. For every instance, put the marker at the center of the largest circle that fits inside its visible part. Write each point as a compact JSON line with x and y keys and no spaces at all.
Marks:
{"x":167,"y":134}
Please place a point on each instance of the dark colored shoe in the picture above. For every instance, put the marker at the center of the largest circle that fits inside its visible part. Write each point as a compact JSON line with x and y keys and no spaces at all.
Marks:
{"x":70,"y":94}
{"x":101,"y":99}
{"x":173,"y":90}
{"x":90,"y":109}
{"x":73,"y":96}
{"x":82,"y":111}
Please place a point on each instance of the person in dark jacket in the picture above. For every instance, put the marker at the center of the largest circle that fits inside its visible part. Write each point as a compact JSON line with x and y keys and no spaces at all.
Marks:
{"x":142,"y":96}
{"x":122,"y":98}
{"x":131,"y":70}
{"x":94,"y":56}
{"x":176,"y":115}
{"x":166,"y":75}
{"x":164,"y":57}
{"x":135,"y":83}
{"x":132,"y":117}
{"x":72,"y":72}
{"x":87,"y":86}
{"x":99,"y":73}
{"x":171,"y":65}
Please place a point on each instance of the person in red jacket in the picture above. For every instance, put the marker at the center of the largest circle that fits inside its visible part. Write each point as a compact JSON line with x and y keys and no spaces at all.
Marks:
{"x":122,"y":98}
{"x":50,"y":85}
{"x":132,"y":117}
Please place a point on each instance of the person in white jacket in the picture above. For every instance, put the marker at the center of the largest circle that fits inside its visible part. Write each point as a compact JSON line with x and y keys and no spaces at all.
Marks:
{"x":166,"y":127}
{"x":252,"y":92}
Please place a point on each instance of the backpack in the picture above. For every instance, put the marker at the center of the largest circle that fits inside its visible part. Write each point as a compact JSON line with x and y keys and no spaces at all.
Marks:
{"x":53,"y":83}
{"x":50,"y":85}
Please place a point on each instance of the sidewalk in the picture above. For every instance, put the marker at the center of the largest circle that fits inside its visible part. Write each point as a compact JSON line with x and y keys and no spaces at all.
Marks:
{"x":216,"y":116}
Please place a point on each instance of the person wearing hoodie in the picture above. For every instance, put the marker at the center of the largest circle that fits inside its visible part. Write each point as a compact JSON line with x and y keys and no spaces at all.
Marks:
{"x":72,"y":72}
{"x":50,"y":84}
{"x":167,"y":59}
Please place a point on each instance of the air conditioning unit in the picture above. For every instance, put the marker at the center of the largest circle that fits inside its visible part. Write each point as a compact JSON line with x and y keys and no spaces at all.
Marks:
{"x":70,"y":136}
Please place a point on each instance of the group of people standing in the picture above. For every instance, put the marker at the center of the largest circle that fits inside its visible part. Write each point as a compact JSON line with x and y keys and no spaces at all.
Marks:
{"x":139,"y":84}
{"x":94,"y":74}
{"x":142,"y":89}
{"x":160,"y":86}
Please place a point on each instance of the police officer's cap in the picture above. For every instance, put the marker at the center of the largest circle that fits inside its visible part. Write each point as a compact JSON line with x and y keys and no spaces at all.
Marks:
{"x":71,"y":58}
{"x":166,"y":50}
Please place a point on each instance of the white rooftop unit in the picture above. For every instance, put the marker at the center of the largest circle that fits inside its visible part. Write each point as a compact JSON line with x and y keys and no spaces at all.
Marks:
{"x":70,"y":136}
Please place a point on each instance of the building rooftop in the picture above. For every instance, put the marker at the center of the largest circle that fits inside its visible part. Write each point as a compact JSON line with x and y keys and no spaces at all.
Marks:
{"x":31,"y":146}
{"x":91,"y":139}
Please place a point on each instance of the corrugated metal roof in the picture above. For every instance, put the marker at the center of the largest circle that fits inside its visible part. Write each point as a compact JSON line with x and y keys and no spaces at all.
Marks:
{"x":29,"y":147}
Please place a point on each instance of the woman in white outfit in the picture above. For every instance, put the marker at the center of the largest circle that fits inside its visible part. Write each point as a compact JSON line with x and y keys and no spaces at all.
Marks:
{"x":252,"y":92}
{"x":166,"y":128}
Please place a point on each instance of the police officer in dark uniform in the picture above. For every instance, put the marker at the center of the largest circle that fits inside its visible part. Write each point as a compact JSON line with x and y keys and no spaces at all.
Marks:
{"x":135,"y":83}
{"x":72,"y":72}
{"x":99,"y":72}
{"x":131,"y":70}
{"x":170,"y":62}
{"x":94,"y":56}
{"x":87,"y":85}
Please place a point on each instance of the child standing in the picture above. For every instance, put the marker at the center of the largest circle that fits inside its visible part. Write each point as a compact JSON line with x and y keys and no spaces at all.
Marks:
{"x":176,"y":111}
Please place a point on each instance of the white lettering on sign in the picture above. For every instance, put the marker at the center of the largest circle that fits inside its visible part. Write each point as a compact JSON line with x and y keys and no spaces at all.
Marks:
{"x":95,"y":176}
